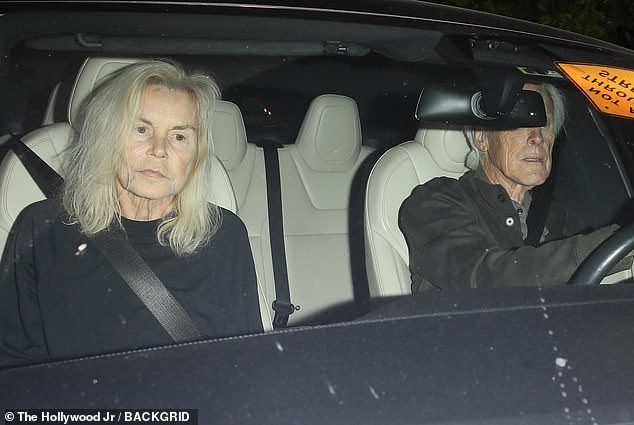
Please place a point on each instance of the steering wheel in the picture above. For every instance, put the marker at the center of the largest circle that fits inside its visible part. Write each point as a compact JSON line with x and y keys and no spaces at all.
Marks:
{"x":606,"y":256}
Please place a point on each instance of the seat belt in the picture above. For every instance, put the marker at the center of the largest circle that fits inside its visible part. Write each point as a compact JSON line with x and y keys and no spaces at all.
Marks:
{"x":147,"y":286}
{"x":282,"y":305}
{"x":542,"y":198}
{"x":126,"y":261}
{"x":46,"y":178}
{"x":538,"y":213}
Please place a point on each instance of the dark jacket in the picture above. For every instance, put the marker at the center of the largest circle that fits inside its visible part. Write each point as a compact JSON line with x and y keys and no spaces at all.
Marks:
{"x":466,"y":233}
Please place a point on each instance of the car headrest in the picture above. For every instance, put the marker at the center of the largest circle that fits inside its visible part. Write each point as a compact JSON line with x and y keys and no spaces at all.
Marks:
{"x":447,"y":146}
{"x":230,"y":137}
{"x":330,"y":136}
{"x":91,"y":74}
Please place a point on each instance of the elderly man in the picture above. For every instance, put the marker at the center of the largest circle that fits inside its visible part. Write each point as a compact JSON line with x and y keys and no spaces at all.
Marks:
{"x":472,"y":232}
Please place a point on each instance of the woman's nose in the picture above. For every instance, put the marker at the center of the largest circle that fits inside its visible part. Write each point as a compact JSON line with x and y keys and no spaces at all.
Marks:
{"x":157,"y":147}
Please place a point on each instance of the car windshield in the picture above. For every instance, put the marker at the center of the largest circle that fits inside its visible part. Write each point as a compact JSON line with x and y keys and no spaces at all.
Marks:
{"x":328,"y":119}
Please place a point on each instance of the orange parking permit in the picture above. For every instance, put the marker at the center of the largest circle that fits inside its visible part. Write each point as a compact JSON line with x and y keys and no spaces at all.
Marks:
{"x":610,"y":89}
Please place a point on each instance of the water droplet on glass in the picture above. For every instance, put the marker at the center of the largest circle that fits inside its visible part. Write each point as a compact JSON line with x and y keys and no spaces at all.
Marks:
{"x":80,"y":249}
{"x":374,"y":393}
{"x":279,"y":346}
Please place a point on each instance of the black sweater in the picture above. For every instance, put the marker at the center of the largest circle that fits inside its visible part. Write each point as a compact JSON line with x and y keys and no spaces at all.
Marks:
{"x":61,"y":298}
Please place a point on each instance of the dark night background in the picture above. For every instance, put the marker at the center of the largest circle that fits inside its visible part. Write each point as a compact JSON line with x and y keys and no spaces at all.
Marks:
{"x":609,"y":20}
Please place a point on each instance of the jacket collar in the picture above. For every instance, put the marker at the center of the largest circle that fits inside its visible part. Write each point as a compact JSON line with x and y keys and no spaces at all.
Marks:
{"x":493,"y":195}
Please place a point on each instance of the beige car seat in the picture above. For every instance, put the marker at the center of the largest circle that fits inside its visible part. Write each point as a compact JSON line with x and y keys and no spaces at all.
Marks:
{"x":317,"y":175}
{"x":433,"y":153}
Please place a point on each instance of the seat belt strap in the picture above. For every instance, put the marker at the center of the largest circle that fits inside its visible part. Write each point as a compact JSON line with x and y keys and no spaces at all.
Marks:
{"x":147,"y":286}
{"x":542,"y":198}
{"x":282,"y":305}
{"x":538,"y":214}
{"x":46,"y":178}
{"x":126,"y":261}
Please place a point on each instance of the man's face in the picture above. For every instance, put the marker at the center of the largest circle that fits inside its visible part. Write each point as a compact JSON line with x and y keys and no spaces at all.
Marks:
{"x":518,"y":159}
{"x":161,"y":150}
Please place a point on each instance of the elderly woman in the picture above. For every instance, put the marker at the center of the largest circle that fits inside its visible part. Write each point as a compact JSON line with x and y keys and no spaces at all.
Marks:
{"x":140,"y":170}
{"x":472,"y":232}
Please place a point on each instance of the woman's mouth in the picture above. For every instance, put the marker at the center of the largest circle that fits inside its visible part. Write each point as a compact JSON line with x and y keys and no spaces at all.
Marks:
{"x":153,"y":174}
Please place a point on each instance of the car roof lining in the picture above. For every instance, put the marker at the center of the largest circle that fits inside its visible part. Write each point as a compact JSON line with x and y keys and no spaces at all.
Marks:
{"x":231,"y":34}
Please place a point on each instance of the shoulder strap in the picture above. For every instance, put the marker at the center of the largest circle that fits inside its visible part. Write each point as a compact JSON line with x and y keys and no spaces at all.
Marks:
{"x":46,"y":178}
{"x":136,"y":273}
{"x":147,"y":286}
{"x":538,"y":213}
{"x":282,"y":305}
{"x":543,"y":196}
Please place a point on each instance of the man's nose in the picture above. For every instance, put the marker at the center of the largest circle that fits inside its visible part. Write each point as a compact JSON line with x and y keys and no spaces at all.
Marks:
{"x":157,"y":146}
{"x":535,"y":136}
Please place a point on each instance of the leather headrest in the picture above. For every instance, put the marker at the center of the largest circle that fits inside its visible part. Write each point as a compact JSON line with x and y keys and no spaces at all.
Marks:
{"x":330,"y":136}
{"x":91,"y":74}
{"x":230,"y":137}
{"x":447,"y":146}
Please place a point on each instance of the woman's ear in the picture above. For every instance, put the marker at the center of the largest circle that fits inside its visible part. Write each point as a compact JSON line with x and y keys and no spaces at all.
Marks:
{"x":479,"y":140}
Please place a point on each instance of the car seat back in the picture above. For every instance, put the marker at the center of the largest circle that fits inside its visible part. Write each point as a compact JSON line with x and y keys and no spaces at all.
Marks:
{"x":317,"y":176}
{"x":244,"y":163}
{"x":434,"y":152}
{"x":316,"y":185}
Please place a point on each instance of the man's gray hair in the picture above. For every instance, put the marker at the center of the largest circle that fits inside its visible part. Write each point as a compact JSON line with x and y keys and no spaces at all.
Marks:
{"x":472,"y":160}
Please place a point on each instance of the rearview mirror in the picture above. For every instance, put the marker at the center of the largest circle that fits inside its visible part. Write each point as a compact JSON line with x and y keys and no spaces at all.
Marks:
{"x":464,"y":106}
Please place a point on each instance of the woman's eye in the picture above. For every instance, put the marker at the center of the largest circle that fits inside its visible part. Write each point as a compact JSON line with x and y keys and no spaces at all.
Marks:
{"x":142,"y":130}
{"x":180,"y":138}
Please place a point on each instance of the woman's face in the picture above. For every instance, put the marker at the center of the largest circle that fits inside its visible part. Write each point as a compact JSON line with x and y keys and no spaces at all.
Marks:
{"x":160,"y":154}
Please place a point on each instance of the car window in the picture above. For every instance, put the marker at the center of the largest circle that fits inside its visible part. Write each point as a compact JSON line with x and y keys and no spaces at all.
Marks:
{"x":281,"y":71}
{"x":384,"y":74}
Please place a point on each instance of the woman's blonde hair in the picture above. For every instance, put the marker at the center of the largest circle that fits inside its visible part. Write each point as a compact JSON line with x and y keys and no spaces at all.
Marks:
{"x":90,"y":190}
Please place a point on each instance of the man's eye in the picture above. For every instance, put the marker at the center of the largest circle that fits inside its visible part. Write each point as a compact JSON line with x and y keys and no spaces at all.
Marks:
{"x":141,"y":130}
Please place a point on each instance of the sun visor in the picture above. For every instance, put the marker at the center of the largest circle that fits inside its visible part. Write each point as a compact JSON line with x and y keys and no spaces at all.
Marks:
{"x":609,"y":89}
{"x":450,"y":104}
